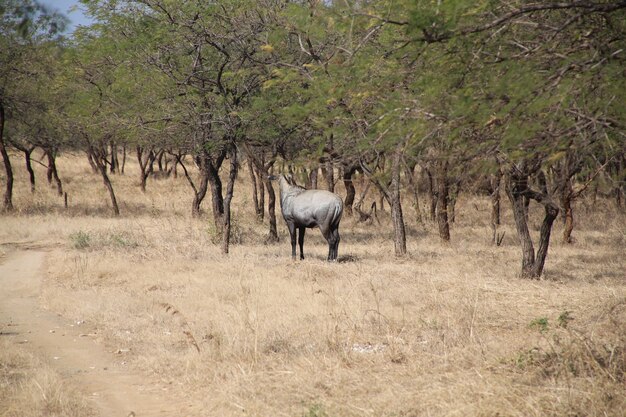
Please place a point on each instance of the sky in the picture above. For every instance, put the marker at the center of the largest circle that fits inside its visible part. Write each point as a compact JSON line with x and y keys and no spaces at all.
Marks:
{"x":76,"y":17}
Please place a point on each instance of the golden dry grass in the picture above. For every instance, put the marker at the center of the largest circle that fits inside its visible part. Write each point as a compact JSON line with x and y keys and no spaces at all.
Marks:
{"x":447,"y":330}
{"x":30,"y":388}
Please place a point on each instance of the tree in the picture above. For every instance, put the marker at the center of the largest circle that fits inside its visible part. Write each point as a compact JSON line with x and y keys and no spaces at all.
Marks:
{"x":93,"y":80}
{"x":209,"y":54}
{"x":531,"y":89}
{"x":24,"y":26}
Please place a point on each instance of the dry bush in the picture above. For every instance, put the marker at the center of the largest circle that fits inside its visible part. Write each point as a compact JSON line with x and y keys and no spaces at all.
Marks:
{"x":30,"y":388}
{"x":444,"y":331}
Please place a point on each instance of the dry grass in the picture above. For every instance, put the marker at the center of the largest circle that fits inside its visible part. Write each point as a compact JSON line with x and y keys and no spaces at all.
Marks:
{"x":29,"y":387}
{"x":448,"y":330}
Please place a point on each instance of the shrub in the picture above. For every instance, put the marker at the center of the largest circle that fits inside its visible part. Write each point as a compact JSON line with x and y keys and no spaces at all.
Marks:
{"x":80,"y":240}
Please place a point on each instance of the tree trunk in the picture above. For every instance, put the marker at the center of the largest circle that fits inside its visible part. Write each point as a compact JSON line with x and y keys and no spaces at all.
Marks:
{"x":256,"y":184}
{"x":115,"y":164}
{"x":495,"y":181}
{"x":8,"y":191}
{"x":92,"y":164}
{"x":230,"y":186}
{"x":551,"y":213}
{"x":263,"y":171}
{"x":29,"y":168}
{"x":399,"y":241}
{"x":350,"y":190}
{"x":99,"y":157}
{"x":391,"y":192}
{"x":514,"y":190}
{"x":622,"y":177}
{"x":109,"y":186}
{"x":28,"y":160}
{"x":159,"y":159}
{"x":200,"y":193}
{"x":410,"y":175}
{"x":453,"y":196}
{"x":146,"y":165}
{"x":432,"y":195}
{"x":49,"y":167}
{"x":526,"y":207}
{"x":208,"y":175}
{"x":123,"y":159}
{"x":271,"y":210}
{"x":569,"y":167}
{"x":330,"y":166}
{"x":313,"y":177}
{"x":28,"y":150}
{"x":261,"y":193}
{"x":518,"y":190}
{"x":330,"y":176}
{"x":52,"y":170}
{"x":396,"y":204}
{"x":174,"y":167}
{"x":442,"y":200}
{"x":215,"y":183}
{"x":568,"y":213}
{"x":364,"y":189}
{"x":452,"y":208}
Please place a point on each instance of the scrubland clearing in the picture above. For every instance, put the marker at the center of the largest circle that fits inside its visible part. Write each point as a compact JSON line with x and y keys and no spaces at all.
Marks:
{"x":447,"y":330}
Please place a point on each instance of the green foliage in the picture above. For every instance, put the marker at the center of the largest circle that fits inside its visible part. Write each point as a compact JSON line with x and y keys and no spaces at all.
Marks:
{"x":564,"y":319}
{"x":540,"y":324}
{"x":80,"y":240}
{"x":595,"y":351}
{"x":286,"y":77}
{"x":93,"y":240}
{"x":440,"y":17}
{"x":525,"y":359}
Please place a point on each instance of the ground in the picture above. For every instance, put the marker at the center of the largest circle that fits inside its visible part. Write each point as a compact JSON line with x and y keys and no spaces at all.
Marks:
{"x":68,"y":346}
{"x":447,"y":330}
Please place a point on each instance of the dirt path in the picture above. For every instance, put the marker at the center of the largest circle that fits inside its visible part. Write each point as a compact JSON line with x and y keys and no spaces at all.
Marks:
{"x":114,"y":389}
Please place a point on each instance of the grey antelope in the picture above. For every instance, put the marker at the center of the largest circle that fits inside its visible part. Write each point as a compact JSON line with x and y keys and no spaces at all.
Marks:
{"x":304,"y":209}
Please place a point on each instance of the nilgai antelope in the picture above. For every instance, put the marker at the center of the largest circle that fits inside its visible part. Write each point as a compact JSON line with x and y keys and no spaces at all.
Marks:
{"x":304,"y":209}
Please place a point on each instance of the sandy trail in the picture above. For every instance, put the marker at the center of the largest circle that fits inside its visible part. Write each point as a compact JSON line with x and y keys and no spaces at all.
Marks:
{"x":103,"y":377}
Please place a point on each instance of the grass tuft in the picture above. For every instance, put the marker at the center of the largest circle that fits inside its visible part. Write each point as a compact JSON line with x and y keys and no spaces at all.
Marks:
{"x":29,"y":387}
{"x":80,"y":240}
